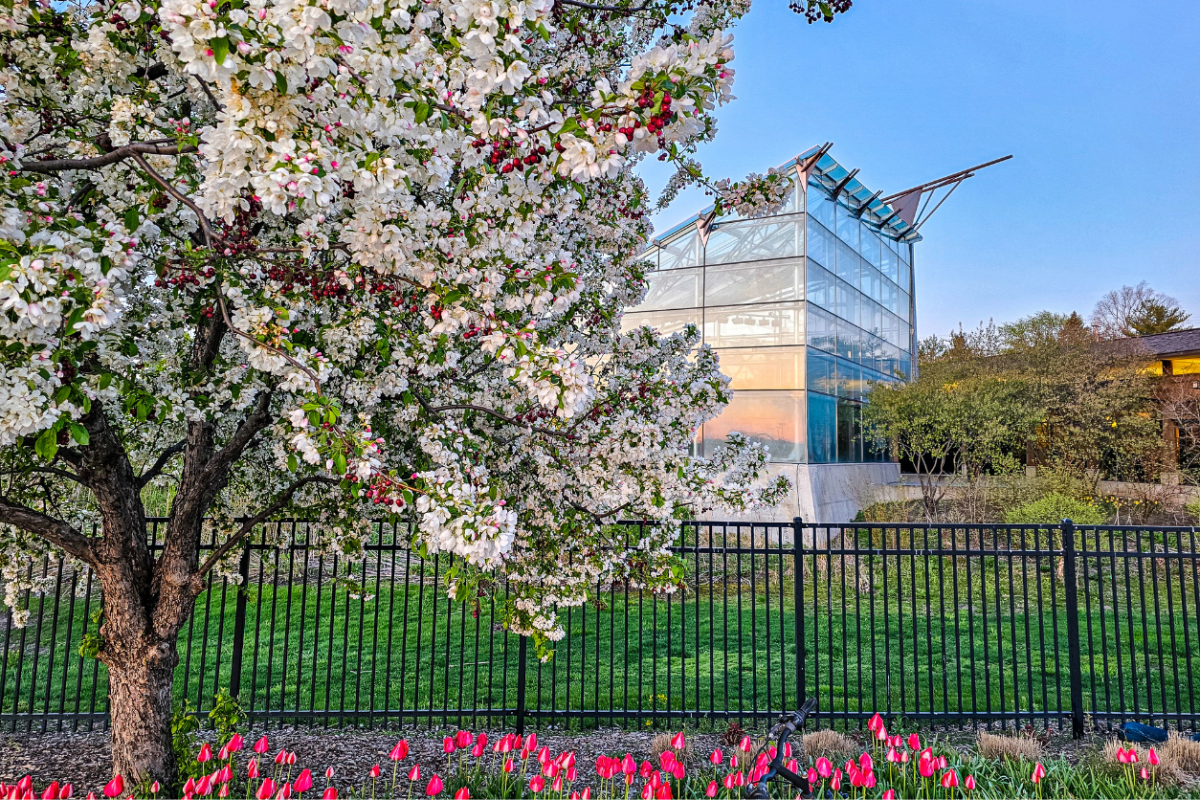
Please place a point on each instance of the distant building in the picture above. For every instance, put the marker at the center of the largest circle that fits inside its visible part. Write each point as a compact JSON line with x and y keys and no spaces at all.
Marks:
{"x":1176,"y":357}
{"x":806,"y":308}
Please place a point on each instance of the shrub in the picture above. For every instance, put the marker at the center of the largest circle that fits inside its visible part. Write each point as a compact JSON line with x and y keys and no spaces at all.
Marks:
{"x":1053,"y":509}
{"x":1182,"y":752}
{"x":1008,"y":748}
{"x":828,"y":744}
{"x":1193,"y":508}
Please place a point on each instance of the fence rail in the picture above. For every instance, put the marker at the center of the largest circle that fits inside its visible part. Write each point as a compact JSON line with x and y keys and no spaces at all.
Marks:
{"x":1003,"y":625}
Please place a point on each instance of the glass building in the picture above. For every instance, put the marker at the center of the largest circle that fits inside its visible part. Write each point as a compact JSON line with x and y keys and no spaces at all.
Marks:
{"x":806,"y":308}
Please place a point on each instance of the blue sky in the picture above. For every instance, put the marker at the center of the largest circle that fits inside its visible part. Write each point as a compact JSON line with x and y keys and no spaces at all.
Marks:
{"x":1097,"y":102}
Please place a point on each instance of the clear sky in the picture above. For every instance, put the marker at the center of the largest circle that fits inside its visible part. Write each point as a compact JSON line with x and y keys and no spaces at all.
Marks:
{"x":1099,"y":103}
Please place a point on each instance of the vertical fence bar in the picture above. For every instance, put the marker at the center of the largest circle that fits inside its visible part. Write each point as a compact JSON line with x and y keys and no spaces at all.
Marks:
{"x":798,"y":605}
{"x":1074,"y":665}
{"x":239,"y":623}
{"x":521,"y":654}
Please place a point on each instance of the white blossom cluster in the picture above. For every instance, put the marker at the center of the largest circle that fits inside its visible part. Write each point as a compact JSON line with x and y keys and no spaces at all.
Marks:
{"x":410,"y":228}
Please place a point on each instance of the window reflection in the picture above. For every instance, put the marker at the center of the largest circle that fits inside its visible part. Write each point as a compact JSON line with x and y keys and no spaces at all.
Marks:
{"x":846,"y":306}
{"x":871,"y":246}
{"x":754,"y":325}
{"x":756,"y":282}
{"x":847,"y":264}
{"x":847,"y":227}
{"x":682,"y":251}
{"x":822,"y":428}
{"x":752,"y":240}
{"x":820,"y":244}
{"x":773,"y":418}
{"x":822,"y":329}
{"x":665,"y":322}
{"x":849,"y":341}
{"x":869,"y":281}
{"x":820,"y":206}
{"x":673,"y":289}
{"x":820,"y":287}
{"x":776,"y":368}
{"x":849,"y":433}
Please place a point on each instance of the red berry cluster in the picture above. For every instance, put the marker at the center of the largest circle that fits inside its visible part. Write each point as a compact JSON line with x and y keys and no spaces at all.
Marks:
{"x":238,"y":235}
{"x":383,"y":492}
{"x":185,"y":275}
{"x":503,"y":155}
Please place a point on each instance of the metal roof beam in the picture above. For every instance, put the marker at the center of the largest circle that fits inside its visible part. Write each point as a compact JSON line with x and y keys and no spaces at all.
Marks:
{"x":866,"y":204}
{"x":837,"y":190}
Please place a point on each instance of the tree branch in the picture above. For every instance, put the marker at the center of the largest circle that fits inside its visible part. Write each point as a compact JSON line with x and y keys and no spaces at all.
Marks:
{"x":55,"y":531}
{"x":120,"y":154}
{"x":249,"y":524}
{"x":491,"y":413}
{"x":166,"y":456}
{"x":258,"y":419}
{"x":209,"y":235}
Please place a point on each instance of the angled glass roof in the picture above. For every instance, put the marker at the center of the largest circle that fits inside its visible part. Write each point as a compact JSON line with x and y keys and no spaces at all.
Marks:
{"x":829,"y":173}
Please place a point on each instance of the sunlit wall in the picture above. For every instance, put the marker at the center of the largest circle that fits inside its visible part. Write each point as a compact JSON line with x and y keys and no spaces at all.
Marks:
{"x":805,"y":308}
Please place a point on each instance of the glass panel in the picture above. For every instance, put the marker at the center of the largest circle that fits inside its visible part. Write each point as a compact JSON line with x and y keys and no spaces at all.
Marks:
{"x":665,"y":322}
{"x":849,"y":433}
{"x":820,"y":243}
{"x":904,"y":366}
{"x":870,"y":318}
{"x":847,"y":264}
{"x":674,"y":289}
{"x":847,"y":227}
{"x":890,"y":263}
{"x":870,"y":246}
{"x":773,"y":418}
{"x":869,"y":280}
{"x":874,"y":351}
{"x":891,"y":329}
{"x":821,"y":372}
{"x":776,"y":368}
{"x":847,"y":302}
{"x":819,"y":205}
{"x":750,"y":326}
{"x":902,"y":307}
{"x":682,"y":251}
{"x":905,"y":251}
{"x":849,"y":379}
{"x":820,"y":287}
{"x":905,"y":277}
{"x":822,"y":427}
{"x":752,"y":240}
{"x":822,"y":330}
{"x":755,"y":282}
{"x":650,"y":255}
{"x":849,"y":341}
{"x":889,"y":296}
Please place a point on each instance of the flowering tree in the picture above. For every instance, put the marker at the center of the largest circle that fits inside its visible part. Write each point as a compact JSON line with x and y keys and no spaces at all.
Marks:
{"x":350,"y":258}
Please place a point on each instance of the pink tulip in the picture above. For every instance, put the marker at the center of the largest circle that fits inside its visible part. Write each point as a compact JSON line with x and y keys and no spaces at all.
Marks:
{"x":329,"y":774}
{"x":746,"y":745}
{"x":628,"y":765}
{"x":509,"y":766}
{"x":869,"y":781}
{"x":587,"y":793}
{"x":926,"y":767}
{"x":252,"y":768}
{"x":329,"y":794}
{"x":1144,"y":774}
{"x":711,"y":791}
{"x":414,"y":774}
{"x":205,"y":753}
{"x":914,"y":742}
{"x":537,"y":783}
{"x":969,"y":783}
{"x":881,"y":735}
{"x":435,"y":786}
{"x":824,"y":767}
{"x":463,"y":739}
{"x":875,"y":723}
{"x":115,"y":787}
{"x":189,"y":787}
{"x":477,"y":750}
{"x":733,"y":762}
{"x":890,"y":794}
{"x":91,"y":796}
{"x":375,"y":771}
{"x":1039,"y":772}
{"x":949,"y":779}
{"x":835,"y":783}
{"x":716,"y":757}
{"x":1152,"y":757}
{"x":236,"y":743}
{"x":400,"y":751}
{"x":482,"y":739}
{"x":267,"y":790}
{"x":261,"y":746}
{"x":65,"y":792}
{"x":223,"y":753}
{"x":865,"y":763}
{"x":284,"y":792}
{"x":51,"y":791}
{"x":813,"y":777}
{"x":203,"y":786}
{"x":892,"y":758}
{"x":463,"y":794}
{"x":154,"y":788}
{"x":224,"y":792}
{"x":530,"y":743}
{"x":281,"y":757}
{"x":678,"y":741}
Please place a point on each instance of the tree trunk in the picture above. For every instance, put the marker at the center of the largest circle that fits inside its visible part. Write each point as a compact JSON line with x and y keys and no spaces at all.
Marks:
{"x":140,"y":701}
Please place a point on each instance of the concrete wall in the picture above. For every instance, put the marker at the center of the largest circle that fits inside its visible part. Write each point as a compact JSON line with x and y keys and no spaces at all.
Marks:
{"x":827,"y":493}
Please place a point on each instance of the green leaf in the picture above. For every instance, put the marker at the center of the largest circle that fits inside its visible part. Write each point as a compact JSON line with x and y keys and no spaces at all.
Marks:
{"x":339,"y":464}
{"x":293,"y":463}
{"x":422,"y":112}
{"x":220,"y":48}
{"x":79,"y":434}
{"x":47,"y":444}
{"x":105,"y":381}
{"x":281,"y":84}
{"x":131,"y":219}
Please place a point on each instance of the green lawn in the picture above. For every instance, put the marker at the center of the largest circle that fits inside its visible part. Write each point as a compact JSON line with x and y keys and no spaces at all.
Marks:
{"x":986,"y":632}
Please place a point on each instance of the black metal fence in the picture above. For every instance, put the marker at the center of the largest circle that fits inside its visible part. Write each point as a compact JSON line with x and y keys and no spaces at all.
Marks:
{"x":995,"y":624}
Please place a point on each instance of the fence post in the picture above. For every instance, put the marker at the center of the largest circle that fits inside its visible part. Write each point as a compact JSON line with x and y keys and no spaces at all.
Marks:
{"x":521,"y":653}
{"x":1074,"y":660}
{"x":239,"y":623}
{"x":798,"y":603}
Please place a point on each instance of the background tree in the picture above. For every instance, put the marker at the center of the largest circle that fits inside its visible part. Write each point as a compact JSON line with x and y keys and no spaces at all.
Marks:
{"x":1111,"y":319}
{"x":351,"y":260}
{"x":1155,"y":316}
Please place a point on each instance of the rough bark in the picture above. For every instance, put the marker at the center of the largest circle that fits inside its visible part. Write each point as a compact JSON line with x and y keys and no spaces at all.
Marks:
{"x":140,"y":702}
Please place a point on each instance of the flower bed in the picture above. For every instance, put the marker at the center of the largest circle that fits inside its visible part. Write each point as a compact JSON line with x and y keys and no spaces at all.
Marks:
{"x":892,"y":766}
